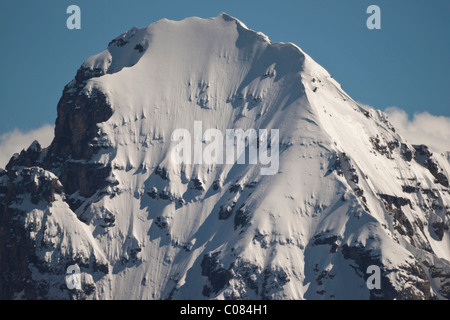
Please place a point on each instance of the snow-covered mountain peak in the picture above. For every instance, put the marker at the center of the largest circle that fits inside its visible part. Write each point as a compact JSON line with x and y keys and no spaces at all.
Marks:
{"x":347,"y":192}
{"x":219,"y":69}
{"x":126,"y":49}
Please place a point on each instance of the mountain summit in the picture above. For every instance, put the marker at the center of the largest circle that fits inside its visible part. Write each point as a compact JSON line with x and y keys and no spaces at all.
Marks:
{"x":346,"y":194}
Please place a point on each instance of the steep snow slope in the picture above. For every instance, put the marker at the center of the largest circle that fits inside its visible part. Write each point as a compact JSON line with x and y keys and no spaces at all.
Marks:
{"x":349,"y":191}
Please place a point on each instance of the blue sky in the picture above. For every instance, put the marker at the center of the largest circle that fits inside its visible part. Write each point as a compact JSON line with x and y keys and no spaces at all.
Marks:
{"x":405,"y":64}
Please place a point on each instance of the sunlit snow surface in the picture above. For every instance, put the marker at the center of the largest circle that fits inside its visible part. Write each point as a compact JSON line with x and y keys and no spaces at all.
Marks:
{"x":276,"y":241}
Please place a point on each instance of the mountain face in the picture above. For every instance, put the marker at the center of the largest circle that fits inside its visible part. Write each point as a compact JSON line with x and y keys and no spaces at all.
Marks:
{"x":346,"y":193}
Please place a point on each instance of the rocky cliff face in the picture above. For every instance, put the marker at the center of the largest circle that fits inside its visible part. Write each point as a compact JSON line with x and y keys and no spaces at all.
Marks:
{"x":38,"y":180}
{"x":349,"y":193}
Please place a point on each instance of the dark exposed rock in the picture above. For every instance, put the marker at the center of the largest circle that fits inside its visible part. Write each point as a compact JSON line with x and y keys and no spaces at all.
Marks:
{"x":418,"y":291}
{"x":262,"y":239}
{"x":324,"y":274}
{"x":335,"y":165}
{"x":207,"y":291}
{"x":16,"y":252}
{"x":358,"y":192}
{"x":39,"y":184}
{"x":226,"y":211}
{"x":216,"y":185}
{"x":74,"y":144}
{"x":161,"y":223}
{"x":392,"y":201}
{"x":385,"y":148}
{"x":219,"y":278}
{"x":235,"y":188}
{"x":366,"y":113}
{"x":132,"y":256}
{"x":393,"y":145}
{"x":410,"y":189}
{"x":153,"y":193}
{"x":274,"y":280}
{"x":162,"y":172}
{"x":248,"y":273}
{"x":26,"y":158}
{"x":421,"y":290}
{"x":332,"y":241}
{"x":198,"y":185}
{"x":394,"y":205}
{"x":209,"y":263}
{"x":89,"y":288}
{"x":119,"y":42}
{"x":86,"y":178}
{"x":423,"y":156}
{"x":442,"y":276}
{"x":364,"y":258}
{"x":217,"y":275}
{"x":353,"y":175}
{"x":109,"y":220}
{"x":382,"y":149}
{"x":439,"y":228}
{"x":406,"y":152}
{"x":251,"y":184}
{"x":76,"y":125}
{"x":69,"y":158}
{"x":348,"y":170}
{"x":241,"y":218}
{"x":422,"y":151}
{"x":165,"y":195}
{"x":101,"y":267}
{"x":139,"y":48}
{"x":84,"y":74}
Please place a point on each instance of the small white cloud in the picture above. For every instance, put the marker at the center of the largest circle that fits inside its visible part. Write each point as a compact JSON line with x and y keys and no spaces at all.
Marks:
{"x":16,"y":140}
{"x":423,"y":128}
